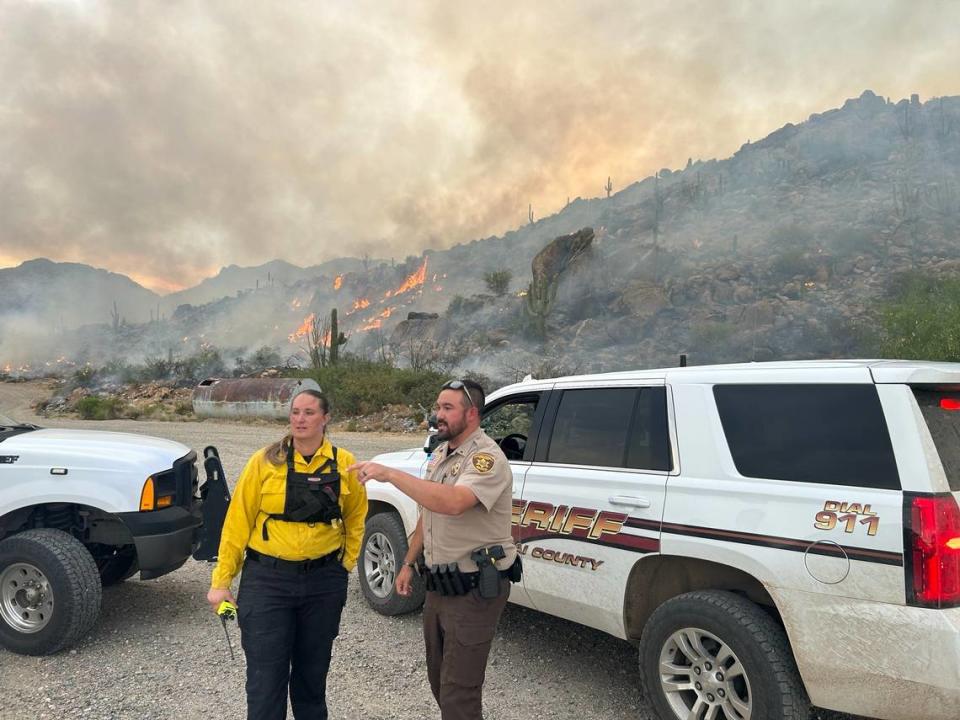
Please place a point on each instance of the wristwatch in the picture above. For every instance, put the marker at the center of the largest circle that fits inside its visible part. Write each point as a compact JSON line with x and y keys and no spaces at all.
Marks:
{"x":411,"y":565}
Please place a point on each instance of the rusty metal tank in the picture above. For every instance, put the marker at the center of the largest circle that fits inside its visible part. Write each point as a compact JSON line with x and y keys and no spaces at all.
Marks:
{"x":248,"y":397}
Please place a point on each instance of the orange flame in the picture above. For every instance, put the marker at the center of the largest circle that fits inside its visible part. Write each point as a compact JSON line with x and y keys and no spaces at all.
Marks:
{"x":416,"y":279}
{"x":358,"y":305}
{"x":372,"y":325}
{"x":338,"y":282}
{"x":387,"y":313}
{"x":303,"y":330}
{"x":326,"y":339}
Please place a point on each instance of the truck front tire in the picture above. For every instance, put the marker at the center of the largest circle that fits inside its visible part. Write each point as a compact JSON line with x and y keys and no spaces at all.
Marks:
{"x":381,"y":556}
{"x":49,"y":591}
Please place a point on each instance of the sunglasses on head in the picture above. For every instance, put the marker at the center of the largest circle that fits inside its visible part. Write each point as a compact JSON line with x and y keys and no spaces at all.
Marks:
{"x":459,"y":385}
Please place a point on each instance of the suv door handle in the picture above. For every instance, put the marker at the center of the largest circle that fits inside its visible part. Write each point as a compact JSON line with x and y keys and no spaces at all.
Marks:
{"x":629,"y":500}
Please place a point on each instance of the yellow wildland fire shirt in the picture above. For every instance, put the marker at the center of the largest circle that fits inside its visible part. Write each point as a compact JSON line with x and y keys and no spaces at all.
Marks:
{"x":262,"y":490}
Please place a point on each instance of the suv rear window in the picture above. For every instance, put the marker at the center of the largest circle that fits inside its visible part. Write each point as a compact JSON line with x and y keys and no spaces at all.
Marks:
{"x":830,"y":434}
{"x":943,"y":421}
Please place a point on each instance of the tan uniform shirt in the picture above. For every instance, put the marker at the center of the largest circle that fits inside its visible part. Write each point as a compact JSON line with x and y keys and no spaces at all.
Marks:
{"x":479,"y":464}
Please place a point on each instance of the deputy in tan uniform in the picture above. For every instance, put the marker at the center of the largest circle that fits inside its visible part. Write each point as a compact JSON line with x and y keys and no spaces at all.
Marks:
{"x":463,"y":534}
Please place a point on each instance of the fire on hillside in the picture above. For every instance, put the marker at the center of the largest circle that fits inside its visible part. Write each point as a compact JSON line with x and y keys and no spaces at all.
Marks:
{"x":415,"y":281}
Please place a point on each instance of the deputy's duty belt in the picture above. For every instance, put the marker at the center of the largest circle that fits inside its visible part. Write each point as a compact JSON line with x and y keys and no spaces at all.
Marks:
{"x":448,"y":580}
{"x":292,"y":566}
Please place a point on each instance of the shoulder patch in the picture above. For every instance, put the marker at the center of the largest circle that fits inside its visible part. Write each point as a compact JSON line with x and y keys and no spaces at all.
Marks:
{"x":482,"y":462}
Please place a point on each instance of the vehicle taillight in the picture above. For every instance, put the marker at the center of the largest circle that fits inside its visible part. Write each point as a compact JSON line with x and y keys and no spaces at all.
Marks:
{"x":932,"y":535}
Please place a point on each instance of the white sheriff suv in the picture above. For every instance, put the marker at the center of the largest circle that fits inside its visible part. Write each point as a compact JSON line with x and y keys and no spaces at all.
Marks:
{"x":771,"y":535}
{"x":80,"y":509}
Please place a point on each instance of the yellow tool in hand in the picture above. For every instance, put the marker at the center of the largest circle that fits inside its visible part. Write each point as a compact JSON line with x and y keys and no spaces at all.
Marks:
{"x":227,"y":611}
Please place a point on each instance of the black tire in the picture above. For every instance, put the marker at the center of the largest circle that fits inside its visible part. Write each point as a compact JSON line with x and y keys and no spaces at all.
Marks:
{"x":712,"y":624}
{"x":116,"y":564}
{"x":49,"y":591}
{"x":381,"y":555}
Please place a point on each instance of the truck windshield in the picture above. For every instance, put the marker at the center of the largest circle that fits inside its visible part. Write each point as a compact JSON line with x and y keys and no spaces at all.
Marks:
{"x":941,"y":410}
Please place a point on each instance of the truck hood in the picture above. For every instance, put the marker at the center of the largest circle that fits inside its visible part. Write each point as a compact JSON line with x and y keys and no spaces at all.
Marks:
{"x":410,"y":461}
{"x":93,"y":449}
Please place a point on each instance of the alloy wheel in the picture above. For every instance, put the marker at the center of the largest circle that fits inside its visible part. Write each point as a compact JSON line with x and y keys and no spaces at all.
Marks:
{"x":380,"y":565}
{"x":702,"y":678}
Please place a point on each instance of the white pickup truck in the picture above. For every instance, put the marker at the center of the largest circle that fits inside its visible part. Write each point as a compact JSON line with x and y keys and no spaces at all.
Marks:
{"x":771,"y":535}
{"x":80,"y":509}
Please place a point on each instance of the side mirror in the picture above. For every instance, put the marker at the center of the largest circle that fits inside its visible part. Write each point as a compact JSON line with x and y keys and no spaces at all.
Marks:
{"x":431,"y":442}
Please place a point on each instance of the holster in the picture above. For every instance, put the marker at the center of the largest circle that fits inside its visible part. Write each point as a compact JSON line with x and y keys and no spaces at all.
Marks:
{"x":488,"y":580}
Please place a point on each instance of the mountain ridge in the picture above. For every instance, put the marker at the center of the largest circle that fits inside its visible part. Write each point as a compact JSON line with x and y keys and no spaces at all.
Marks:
{"x":775,"y":251}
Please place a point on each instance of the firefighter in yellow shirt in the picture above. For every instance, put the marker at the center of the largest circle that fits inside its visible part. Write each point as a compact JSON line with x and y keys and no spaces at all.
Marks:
{"x":295,"y":524}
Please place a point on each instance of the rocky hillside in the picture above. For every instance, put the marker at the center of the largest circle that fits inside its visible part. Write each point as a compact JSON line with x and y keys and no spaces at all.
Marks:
{"x":781,"y":251}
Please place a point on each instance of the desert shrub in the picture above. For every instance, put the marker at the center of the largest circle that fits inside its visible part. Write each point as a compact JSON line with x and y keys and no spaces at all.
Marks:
{"x":498,"y":281}
{"x":791,"y":263}
{"x":205,"y":363}
{"x":96,"y":407}
{"x":460,"y":305}
{"x":357,"y":387}
{"x":84,"y":377}
{"x":920,"y":320}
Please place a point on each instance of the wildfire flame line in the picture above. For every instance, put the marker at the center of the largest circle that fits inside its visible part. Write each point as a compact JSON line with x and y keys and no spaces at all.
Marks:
{"x":415,"y":279}
{"x":303,"y":330}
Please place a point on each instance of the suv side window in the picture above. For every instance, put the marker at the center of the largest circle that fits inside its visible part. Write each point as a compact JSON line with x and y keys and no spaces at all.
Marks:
{"x":828,"y":434}
{"x":510,"y":423}
{"x":648,"y":447}
{"x":592,"y":427}
{"x":612,"y":427}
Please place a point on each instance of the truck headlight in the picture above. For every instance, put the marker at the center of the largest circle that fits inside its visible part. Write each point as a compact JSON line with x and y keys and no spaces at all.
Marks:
{"x":159,"y":491}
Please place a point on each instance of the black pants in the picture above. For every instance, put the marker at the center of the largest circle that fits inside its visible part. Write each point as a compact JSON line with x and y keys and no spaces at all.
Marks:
{"x":288,"y":622}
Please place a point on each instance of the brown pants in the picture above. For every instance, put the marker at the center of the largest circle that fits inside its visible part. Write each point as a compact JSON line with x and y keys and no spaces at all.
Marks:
{"x":458,"y":632}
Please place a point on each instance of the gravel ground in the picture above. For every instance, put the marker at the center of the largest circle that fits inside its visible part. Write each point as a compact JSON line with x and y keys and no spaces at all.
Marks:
{"x":158,"y":652}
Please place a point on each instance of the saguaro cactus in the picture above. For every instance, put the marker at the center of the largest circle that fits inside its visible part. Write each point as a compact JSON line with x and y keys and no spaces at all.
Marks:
{"x":337,"y":338}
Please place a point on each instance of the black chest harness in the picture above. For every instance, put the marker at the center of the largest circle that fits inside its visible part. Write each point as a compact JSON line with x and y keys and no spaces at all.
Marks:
{"x":311,"y":497}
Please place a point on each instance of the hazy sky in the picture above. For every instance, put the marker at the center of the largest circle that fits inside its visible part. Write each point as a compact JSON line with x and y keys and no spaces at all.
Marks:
{"x":166,"y":139}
